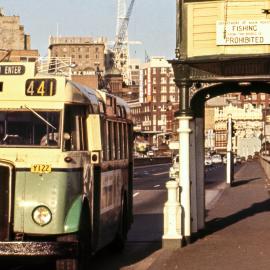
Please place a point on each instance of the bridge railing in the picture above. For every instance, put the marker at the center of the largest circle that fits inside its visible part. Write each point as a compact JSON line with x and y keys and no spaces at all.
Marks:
{"x":265,"y":162}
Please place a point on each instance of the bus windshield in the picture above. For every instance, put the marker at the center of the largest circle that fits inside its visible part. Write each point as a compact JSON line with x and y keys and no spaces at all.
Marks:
{"x":29,"y":128}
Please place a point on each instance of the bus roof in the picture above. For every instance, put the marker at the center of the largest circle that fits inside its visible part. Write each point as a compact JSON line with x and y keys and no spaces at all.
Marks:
{"x":20,"y":83}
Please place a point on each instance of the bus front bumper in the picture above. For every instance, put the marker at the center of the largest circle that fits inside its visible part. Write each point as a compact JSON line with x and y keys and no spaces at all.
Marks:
{"x":43,"y":249}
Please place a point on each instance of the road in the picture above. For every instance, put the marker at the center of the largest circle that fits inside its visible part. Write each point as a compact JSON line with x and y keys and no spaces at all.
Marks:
{"x":149,"y":196}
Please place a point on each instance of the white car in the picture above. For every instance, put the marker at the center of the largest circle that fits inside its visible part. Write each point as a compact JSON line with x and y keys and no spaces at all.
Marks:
{"x":216,"y":159}
{"x":208,"y":161}
{"x":174,"y":169}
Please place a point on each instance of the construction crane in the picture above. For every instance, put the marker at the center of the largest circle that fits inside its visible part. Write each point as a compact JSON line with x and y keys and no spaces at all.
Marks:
{"x":120,"y":48}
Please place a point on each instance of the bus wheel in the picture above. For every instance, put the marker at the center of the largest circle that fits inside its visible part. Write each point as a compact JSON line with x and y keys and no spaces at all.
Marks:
{"x":81,"y":261}
{"x":119,"y":241}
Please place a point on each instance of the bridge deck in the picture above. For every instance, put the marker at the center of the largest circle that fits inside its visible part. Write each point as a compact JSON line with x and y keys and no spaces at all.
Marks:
{"x":237,"y":234}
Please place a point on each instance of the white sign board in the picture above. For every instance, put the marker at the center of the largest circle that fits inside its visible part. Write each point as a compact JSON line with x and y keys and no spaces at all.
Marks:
{"x":243,"y":32}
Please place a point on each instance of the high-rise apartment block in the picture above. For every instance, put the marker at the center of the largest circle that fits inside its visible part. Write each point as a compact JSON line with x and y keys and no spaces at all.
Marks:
{"x":158,"y":96}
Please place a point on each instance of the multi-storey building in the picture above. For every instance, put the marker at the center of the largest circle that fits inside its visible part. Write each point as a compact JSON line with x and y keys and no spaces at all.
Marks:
{"x":87,"y":55}
{"x":134,"y":70}
{"x":158,"y":96}
{"x":248,"y":122}
{"x":15,"y":45}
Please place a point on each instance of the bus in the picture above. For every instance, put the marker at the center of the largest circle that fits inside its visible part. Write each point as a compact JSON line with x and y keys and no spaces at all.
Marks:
{"x":65,"y":167}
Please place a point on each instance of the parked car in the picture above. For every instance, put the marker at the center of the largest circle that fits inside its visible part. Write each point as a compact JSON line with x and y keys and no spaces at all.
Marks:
{"x":238,"y":159}
{"x":216,"y":159}
{"x":234,"y":160}
{"x":174,"y":169}
{"x":207,"y":161}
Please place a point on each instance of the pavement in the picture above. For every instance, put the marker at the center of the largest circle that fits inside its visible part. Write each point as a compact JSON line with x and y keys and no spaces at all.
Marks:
{"x":237,"y":231}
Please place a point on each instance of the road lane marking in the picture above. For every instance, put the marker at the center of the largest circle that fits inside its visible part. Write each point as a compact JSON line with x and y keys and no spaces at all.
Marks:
{"x":136,"y":194}
{"x":161,"y":173}
{"x":156,"y":186}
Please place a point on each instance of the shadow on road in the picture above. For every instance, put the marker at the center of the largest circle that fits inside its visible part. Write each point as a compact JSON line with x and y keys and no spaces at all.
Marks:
{"x":218,"y":224}
{"x":243,"y":182}
{"x":143,"y":240}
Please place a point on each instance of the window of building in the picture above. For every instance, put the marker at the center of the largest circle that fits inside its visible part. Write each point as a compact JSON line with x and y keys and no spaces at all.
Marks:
{"x":163,"y":70}
{"x":163,"y":98}
{"x":154,"y":71}
{"x":154,"y":80}
{"x":163,"y":89}
{"x":163,"y":80}
{"x":163,"y":118}
{"x":172,"y":89}
{"x":172,"y":98}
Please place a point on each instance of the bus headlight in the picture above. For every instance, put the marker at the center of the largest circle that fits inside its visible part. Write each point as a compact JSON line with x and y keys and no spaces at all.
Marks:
{"x":42,"y":215}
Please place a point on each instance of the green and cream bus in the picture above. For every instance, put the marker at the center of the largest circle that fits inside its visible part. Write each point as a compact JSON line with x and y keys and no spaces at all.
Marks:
{"x":65,"y":167}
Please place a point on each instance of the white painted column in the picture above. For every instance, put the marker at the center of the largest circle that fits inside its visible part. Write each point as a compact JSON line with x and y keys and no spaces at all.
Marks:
{"x":229,"y":151}
{"x":184,"y":175}
{"x":172,"y":237}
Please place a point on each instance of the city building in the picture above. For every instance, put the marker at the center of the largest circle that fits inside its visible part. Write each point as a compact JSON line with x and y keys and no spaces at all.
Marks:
{"x":87,"y":56}
{"x":249,"y":126}
{"x":158,"y":96}
{"x":15,"y":44}
{"x":134,"y":70}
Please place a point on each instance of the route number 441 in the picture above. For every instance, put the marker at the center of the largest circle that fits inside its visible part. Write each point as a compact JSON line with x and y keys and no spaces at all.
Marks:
{"x":40,"y":87}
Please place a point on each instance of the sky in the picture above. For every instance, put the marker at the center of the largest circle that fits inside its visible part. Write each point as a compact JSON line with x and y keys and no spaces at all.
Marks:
{"x":152,"y":22}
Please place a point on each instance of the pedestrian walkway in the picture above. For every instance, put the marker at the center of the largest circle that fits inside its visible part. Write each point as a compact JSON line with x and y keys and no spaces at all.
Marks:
{"x":237,"y":234}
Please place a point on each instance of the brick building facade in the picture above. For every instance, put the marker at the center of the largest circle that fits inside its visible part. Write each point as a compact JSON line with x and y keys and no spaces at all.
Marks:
{"x":15,"y":45}
{"x":86,"y":53}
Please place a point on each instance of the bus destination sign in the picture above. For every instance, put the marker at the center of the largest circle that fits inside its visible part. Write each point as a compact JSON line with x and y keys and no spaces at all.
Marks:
{"x":40,"y":87}
{"x":12,"y":70}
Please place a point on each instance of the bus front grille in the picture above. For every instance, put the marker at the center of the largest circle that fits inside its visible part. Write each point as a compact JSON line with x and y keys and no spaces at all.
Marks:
{"x":5,"y":201}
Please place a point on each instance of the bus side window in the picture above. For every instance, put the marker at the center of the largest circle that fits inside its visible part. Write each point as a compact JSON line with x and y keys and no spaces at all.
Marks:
{"x":117,"y":141}
{"x":121,"y":141}
{"x":75,"y":126}
{"x":107,"y":132}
